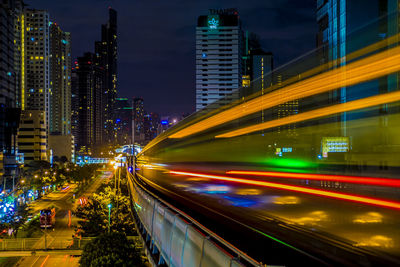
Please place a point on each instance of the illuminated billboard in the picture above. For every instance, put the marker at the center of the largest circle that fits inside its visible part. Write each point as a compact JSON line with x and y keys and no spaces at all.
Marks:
{"x":334,"y":145}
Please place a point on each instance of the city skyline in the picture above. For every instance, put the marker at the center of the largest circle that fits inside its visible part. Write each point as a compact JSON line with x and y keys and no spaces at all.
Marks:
{"x":142,"y":59}
{"x":214,"y":133}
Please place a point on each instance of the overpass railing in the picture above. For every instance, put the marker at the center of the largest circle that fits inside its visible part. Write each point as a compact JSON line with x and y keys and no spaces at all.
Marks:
{"x":23,"y":244}
{"x":175,"y":239}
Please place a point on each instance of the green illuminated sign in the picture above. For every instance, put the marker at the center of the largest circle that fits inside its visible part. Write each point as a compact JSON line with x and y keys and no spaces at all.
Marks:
{"x":213,"y":21}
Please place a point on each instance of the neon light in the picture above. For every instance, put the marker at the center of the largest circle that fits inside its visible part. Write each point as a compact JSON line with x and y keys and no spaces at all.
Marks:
{"x":362,"y":70}
{"x":290,"y":163}
{"x":300,"y":189}
{"x":213,"y":22}
{"x":325,"y":177}
{"x":317,"y":113}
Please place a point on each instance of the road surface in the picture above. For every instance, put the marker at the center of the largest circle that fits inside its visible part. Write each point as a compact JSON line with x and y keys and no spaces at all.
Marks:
{"x":64,"y":229}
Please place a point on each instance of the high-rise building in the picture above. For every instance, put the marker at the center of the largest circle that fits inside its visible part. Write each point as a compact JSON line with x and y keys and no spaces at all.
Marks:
{"x":155,"y":125}
{"x":18,"y":19}
{"x":138,"y":119}
{"x":89,"y":88}
{"x":74,"y":102}
{"x":106,"y":54}
{"x":123,"y":121}
{"x":60,"y":72}
{"x":219,"y":39}
{"x":343,"y":28}
{"x":260,"y":66}
{"x":10,"y":11}
{"x":35,"y":62}
{"x":8,"y":76}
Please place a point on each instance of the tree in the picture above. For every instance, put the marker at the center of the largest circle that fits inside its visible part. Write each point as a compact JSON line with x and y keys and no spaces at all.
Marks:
{"x":84,"y":173}
{"x":94,"y":214}
{"x":112,"y":249}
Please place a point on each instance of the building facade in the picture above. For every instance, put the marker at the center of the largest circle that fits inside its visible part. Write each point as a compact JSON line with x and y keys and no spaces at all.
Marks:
{"x":88,"y":92}
{"x":123,"y":121}
{"x":62,"y":146}
{"x":345,"y":27}
{"x":60,"y":72}
{"x":106,"y":54}
{"x":35,"y":62}
{"x":219,"y":39}
{"x":138,"y":119}
{"x":8,"y":76}
{"x":32,"y":138}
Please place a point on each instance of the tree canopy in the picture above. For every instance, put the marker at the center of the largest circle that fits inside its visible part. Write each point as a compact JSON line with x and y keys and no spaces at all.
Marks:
{"x":112,"y":249}
{"x":94,"y":214}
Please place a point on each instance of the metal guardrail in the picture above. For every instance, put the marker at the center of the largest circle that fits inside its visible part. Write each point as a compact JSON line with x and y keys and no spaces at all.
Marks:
{"x":178,"y":238}
{"x":23,"y":244}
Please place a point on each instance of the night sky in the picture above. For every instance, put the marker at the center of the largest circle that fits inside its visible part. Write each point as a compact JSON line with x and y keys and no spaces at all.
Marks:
{"x":156,"y":39}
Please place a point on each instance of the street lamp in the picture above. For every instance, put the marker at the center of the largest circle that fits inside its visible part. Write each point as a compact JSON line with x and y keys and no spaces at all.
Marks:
{"x":109,"y":216}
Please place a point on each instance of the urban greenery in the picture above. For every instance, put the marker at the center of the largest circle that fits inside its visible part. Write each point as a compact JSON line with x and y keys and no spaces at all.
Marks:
{"x":37,"y":180}
{"x":94,"y":214}
{"x":112,"y":249}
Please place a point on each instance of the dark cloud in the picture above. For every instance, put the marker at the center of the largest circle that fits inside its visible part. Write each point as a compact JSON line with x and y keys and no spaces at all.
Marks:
{"x":157,"y":39}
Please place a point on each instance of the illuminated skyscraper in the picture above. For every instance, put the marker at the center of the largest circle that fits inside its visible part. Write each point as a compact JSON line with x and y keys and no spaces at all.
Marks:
{"x":60,"y":71}
{"x":346,"y":26}
{"x":219,"y":40}
{"x":106,"y":53}
{"x":8,"y":89}
{"x":138,"y":118}
{"x":74,"y":102}
{"x":123,"y":121}
{"x":10,"y":11}
{"x":35,"y":64}
{"x":89,"y":87}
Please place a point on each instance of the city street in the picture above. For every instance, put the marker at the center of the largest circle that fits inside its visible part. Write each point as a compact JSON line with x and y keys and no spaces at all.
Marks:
{"x":62,"y":233}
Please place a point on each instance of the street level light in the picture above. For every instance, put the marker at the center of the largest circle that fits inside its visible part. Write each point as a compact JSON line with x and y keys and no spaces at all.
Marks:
{"x":109,"y":216}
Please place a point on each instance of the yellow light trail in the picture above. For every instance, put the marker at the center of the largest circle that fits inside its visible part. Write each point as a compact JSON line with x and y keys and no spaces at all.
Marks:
{"x":300,"y":189}
{"x":366,"y":69}
{"x":313,"y":114}
{"x":363,"y":51}
{"x":359,"y":53}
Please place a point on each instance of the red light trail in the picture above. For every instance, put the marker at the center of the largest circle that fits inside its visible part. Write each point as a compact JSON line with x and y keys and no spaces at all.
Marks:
{"x":324,"y":177}
{"x":300,"y":189}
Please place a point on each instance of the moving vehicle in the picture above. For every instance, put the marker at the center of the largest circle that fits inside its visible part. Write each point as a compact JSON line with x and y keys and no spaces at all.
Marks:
{"x":47,"y":218}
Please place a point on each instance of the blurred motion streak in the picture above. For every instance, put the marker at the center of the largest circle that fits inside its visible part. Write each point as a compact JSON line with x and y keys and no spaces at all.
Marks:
{"x":344,"y":107}
{"x":370,"y":217}
{"x":363,"y":70}
{"x":324,"y":177}
{"x":312,"y":219}
{"x":377,"y":241}
{"x":359,"y":53}
{"x":286,"y":200}
{"x":324,"y":193}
